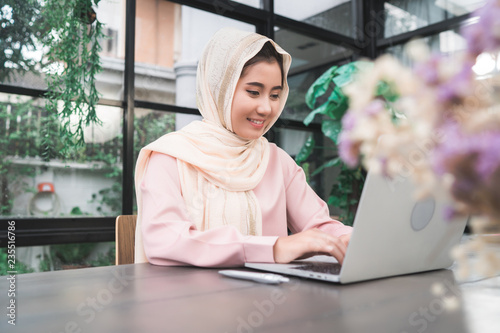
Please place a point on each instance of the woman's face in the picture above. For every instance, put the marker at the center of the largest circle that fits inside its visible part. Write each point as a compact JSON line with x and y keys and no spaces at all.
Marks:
{"x":256,"y":100}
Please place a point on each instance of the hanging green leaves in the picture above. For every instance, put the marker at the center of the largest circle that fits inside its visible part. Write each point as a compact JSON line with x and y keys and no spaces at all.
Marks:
{"x":73,"y":40}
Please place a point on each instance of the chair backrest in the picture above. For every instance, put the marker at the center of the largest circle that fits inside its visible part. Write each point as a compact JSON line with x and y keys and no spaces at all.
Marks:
{"x":125,"y":239}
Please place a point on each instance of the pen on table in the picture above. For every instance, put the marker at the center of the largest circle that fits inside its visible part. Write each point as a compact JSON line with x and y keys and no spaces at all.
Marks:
{"x":268,"y":278}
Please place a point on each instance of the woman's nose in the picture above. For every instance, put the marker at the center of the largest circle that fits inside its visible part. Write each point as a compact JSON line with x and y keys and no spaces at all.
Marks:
{"x":264,"y":107}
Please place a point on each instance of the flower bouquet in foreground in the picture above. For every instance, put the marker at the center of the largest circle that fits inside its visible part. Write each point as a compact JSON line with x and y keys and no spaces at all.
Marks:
{"x":442,"y":128}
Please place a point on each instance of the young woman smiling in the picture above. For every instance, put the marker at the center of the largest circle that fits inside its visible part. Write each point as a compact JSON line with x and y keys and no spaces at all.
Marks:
{"x":217,"y":193}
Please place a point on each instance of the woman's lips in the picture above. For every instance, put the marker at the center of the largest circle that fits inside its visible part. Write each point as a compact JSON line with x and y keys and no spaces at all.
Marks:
{"x":256,"y":123}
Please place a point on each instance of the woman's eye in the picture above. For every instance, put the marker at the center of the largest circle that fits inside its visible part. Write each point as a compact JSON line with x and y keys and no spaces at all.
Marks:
{"x":253,"y":92}
{"x":275,"y":96}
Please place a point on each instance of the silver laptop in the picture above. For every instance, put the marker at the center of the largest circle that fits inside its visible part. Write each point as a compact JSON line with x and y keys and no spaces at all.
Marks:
{"x":394,"y":234}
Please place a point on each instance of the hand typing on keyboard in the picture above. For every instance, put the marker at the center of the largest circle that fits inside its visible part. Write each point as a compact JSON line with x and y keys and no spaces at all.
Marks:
{"x":309,"y":243}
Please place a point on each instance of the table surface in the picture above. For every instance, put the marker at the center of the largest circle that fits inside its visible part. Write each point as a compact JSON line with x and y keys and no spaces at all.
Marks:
{"x":147,"y":298}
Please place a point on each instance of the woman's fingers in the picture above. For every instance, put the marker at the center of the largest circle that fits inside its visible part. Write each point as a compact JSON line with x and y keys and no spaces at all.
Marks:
{"x":346,"y":239}
{"x":335,"y":247}
{"x":308,"y":243}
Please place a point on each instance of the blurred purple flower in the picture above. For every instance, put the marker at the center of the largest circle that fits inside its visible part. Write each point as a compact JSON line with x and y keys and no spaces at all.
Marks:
{"x":448,"y":90}
{"x":488,"y":147}
{"x":428,"y":71}
{"x":375,"y":107}
{"x":482,"y":149}
{"x":484,"y":35}
{"x":348,"y":121}
{"x":464,"y":185}
{"x":457,"y":87}
{"x":348,"y":149}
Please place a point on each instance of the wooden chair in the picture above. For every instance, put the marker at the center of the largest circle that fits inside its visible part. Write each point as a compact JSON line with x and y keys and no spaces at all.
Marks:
{"x":125,"y":239}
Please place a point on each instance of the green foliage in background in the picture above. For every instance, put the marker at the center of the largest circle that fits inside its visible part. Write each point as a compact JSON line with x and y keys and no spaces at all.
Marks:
{"x":73,"y":40}
{"x":59,"y":38}
{"x":64,"y":256}
{"x":20,"y":268}
{"x":71,"y":254}
{"x":19,"y":137}
{"x":346,"y":191}
{"x":28,"y":127}
{"x":21,"y":32}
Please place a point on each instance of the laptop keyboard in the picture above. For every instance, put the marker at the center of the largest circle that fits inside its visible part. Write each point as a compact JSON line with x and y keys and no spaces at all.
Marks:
{"x":321,"y":267}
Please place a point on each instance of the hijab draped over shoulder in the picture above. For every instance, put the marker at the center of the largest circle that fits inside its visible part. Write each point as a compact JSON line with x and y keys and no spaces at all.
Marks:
{"x":218,"y":170}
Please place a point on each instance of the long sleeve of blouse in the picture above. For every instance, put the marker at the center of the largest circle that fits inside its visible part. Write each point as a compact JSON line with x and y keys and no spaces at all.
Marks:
{"x":285,"y":199}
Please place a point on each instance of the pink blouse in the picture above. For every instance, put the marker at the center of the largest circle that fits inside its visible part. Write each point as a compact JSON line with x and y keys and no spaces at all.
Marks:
{"x":285,"y":199}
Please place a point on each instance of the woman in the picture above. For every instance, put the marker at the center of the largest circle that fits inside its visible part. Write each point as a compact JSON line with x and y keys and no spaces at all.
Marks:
{"x":217,"y":193}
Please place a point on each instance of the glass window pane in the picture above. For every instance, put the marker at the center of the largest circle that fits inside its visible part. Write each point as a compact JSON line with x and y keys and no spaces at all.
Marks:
{"x":296,"y":107}
{"x":333,"y":15}
{"x":447,"y":42}
{"x":451,"y":43}
{"x":228,"y":5}
{"x":310,"y":58}
{"x":37,"y":181}
{"x":291,"y":140}
{"x":169,"y":43}
{"x":110,"y":80}
{"x":407,"y":15}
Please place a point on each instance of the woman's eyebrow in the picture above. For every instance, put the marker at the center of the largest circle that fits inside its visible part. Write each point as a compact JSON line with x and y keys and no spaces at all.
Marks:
{"x":260,"y":85}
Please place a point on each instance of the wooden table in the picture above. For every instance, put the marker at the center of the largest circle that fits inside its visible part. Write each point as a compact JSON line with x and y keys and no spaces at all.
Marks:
{"x":147,"y":298}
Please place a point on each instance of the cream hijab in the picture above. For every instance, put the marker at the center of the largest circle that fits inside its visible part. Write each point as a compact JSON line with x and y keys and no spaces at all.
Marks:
{"x":218,"y":170}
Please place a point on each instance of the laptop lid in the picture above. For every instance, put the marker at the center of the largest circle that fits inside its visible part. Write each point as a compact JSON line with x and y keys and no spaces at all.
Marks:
{"x":394,"y":234}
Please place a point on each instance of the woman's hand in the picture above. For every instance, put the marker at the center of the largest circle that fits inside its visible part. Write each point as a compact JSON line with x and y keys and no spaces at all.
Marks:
{"x":309,"y":243}
{"x":346,"y":238}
